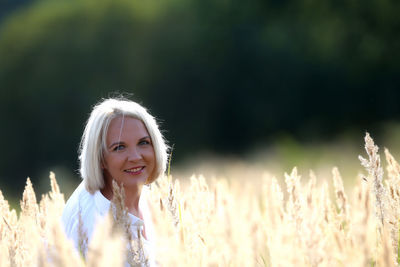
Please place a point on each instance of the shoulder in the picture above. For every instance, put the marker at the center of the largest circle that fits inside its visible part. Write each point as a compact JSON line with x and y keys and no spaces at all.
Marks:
{"x":81,"y":203}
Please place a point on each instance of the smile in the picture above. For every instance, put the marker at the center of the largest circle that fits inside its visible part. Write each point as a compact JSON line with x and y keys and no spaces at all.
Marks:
{"x":135,"y":170}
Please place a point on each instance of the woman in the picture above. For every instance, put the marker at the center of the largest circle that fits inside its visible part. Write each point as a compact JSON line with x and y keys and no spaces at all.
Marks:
{"x":122,"y":143}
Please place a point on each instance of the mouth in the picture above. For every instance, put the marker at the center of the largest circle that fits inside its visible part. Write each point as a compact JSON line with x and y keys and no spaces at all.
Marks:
{"x":135,"y":170}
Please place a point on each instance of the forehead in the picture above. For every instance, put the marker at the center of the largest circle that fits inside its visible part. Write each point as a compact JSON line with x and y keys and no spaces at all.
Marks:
{"x":125,"y":128}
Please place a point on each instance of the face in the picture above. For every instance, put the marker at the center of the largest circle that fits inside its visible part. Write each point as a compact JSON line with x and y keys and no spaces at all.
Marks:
{"x":129,"y":157}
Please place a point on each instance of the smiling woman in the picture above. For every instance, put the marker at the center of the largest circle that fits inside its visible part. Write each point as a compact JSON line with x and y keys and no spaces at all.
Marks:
{"x":122,"y":143}
{"x":129,"y":158}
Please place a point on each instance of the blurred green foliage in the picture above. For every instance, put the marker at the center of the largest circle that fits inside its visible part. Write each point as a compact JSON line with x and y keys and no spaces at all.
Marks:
{"x":221,"y":75}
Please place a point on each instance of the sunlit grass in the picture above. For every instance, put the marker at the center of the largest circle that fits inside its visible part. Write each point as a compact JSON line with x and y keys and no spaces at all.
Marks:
{"x":249,"y":219}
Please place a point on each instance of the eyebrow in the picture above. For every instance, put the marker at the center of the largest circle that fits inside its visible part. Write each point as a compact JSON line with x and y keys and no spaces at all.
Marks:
{"x":122,"y":142}
{"x":116,"y":143}
{"x":144,"y":138}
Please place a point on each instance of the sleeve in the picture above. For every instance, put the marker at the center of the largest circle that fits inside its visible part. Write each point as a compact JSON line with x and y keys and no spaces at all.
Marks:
{"x":69,"y":221}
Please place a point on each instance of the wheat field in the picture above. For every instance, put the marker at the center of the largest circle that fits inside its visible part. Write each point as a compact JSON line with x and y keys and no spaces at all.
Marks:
{"x":221,"y":222}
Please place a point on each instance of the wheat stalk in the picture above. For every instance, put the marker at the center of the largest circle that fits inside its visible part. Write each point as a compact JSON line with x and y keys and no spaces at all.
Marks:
{"x":122,"y":222}
{"x":373,"y":166}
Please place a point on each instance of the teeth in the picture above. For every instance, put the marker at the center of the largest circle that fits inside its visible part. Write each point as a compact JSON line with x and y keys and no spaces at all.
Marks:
{"x":134,"y":169}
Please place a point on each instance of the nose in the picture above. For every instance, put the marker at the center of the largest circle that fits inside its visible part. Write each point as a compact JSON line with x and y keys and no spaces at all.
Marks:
{"x":134,"y":154}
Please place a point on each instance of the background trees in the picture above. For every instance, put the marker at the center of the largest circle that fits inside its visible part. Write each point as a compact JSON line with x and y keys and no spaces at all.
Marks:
{"x":222,"y":76}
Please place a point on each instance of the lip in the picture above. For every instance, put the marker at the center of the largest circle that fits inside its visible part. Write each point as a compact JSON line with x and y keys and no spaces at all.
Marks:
{"x":135,"y":170}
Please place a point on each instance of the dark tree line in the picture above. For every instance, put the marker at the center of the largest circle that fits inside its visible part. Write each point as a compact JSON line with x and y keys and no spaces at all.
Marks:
{"x":221,"y":75}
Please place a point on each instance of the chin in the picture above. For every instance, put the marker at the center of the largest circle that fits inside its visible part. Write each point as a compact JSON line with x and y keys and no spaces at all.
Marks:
{"x":135,"y":182}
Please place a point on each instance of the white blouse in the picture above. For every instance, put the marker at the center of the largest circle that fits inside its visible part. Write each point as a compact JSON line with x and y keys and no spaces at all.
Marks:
{"x":93,"y":208}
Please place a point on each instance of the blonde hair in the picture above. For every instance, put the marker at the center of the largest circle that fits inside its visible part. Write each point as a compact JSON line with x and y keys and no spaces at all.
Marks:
{"x":93,"y":143}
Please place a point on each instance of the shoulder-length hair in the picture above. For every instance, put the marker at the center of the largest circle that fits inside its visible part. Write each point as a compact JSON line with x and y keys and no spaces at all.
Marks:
{"x":93,"y":143}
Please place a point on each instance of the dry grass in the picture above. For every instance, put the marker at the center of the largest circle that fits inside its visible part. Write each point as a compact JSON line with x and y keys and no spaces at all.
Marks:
{"x":227,"y":223}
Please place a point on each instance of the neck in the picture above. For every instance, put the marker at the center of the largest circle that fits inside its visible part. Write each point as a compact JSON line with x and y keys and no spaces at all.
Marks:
{"x":132,"y":197}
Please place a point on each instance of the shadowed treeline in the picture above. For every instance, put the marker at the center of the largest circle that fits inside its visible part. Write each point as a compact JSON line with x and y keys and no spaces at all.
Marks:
{"x":222,"y":76}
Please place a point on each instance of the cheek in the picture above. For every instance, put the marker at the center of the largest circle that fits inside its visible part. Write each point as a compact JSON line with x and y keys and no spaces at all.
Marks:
{"x":151,"y":156}
{"x":111,"y":162}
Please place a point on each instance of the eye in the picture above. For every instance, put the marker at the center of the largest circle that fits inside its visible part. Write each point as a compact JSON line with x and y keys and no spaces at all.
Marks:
{"x":144,"y":142}
{"x":118,"y":147}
